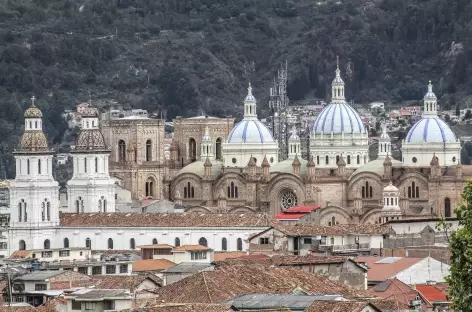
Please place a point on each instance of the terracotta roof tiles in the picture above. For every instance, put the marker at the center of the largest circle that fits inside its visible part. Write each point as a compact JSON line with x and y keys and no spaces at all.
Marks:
{"x":130,"y":282}
{"x":191,"y":248}
{"x":432,"y":293}
{"x":20,"y":254}
{"x":226,"y":282}
{"x":152,"y":265}
{"x":384,"y":271}
{"x":117,"y":219}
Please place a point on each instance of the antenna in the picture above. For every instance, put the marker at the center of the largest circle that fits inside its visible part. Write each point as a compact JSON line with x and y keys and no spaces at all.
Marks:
{"x":278,"y":102}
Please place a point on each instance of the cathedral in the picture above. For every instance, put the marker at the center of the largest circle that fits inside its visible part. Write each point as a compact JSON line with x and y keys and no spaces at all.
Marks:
{"x":215,"y":167}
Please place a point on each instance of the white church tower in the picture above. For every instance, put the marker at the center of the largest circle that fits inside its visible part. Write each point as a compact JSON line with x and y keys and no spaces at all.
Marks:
{"x":91,"y":188}
{"x":34,"y":194}
{"x":385,"y":145}
{"x":294,"y":144}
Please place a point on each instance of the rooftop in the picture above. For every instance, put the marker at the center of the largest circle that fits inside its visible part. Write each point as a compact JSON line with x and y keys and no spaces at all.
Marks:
{"x":152,"y":265}
{"x":383,"y":268}
{"x":128,"y":282}
{"x":97,"y":294}
{"x":187,"y":267}
{"x":191,"y":248}
{"x":156,"y":246}
{"x":225,"y":282}
{"x":432,"y":293}
{"x":294,"y":302}
{"x":118,"y":219}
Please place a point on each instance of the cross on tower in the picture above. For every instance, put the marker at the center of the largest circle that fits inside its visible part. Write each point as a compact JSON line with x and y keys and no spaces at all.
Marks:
{"x":33,"y":98}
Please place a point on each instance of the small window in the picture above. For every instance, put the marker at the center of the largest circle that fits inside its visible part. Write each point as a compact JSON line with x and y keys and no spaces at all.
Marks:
{"x":40,"y":286}
{"x":154,"y":241}
{"x":83,"y":270}
{"x":123,"y":268}
{"x":307,"y":241}
{"x":271,"y":160}
{"x":224,"y":244}
{"x":89,"y":305}
{"x":239,"y":244}
{"x":64,"y":253}
{"x":97,"y":270}
{"x":76,"y":305}
{"x":414,"y":160}
{"x":234,"y":160}
{"x":46,"y":254}
{"x":177,"y":242}
{"x":110,"y":269}
{"x":264,"y":241}
{"x":454,"y":159}
{"x":88,"y":243}
{"x":323,"y":240}
{"x":108,"y":305}
{"x":203,"y":242}
{"x":132,"y":244}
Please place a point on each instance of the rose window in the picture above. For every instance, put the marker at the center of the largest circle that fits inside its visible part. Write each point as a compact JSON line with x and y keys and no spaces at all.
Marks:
{"x":289,"y":199}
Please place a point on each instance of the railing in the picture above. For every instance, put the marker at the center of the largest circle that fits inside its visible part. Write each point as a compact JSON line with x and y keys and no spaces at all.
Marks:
{"x":341,"y":248}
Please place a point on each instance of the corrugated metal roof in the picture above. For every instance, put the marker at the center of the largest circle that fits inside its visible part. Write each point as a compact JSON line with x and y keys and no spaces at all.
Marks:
{"x":257,"y":301}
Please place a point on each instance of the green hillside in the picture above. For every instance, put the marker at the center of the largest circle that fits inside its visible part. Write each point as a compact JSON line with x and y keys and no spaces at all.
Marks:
{"x":179,"y":55}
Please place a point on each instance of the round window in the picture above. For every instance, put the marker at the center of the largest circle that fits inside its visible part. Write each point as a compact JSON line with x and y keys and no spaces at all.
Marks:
{"x":234,"y":160}
{"x":271,"y":159}
{"x":289,"y":199}
{"x":454,"y":159}
{"x":414,"y":160}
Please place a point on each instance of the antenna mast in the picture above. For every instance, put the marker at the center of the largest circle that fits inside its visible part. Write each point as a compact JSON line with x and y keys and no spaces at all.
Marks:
{"x":278,"y":102}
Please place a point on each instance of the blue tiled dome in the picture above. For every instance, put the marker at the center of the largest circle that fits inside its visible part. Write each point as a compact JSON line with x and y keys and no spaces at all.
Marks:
{"x":430,"y":130}
{"x":250,"y":131}
{"x":338,"y":118}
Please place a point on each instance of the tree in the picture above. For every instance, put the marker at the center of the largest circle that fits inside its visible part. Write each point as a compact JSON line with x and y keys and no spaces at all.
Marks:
{"x":468,"y":114}
{"x":458,"y":111}
{"x":460,"y":279}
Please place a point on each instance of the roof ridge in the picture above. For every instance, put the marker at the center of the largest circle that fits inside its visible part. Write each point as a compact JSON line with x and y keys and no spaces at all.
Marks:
{"x":206,"y":287}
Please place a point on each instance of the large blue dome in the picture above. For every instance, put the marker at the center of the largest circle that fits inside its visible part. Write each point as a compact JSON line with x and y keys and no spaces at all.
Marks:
{"x":250,"y":131}
{"x":338,"y":118}
{"x":430,"y":130}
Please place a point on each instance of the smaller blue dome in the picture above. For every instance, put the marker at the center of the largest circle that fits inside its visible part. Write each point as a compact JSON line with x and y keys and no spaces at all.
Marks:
{"x":250,"y":131}
{"x":430,"y":130}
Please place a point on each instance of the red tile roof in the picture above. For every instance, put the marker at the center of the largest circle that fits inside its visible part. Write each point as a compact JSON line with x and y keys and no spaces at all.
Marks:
{"x":394,"y":289}
{"x":117,"y":219}
{"x":226,"y":282}
{"x":289,"y":216}
{"x":152,"y":265}
{"x":191,"y":248}
{"x":130,"y":282}
{"x":384,"y":271}
{"x":156,"y":246}
{"x":432,"y":293}
{"x":304,"y":209}
{"x":20,"y":254}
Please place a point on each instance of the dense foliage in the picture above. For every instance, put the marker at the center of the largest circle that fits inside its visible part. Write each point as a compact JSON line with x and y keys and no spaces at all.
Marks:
{"x":182,"y":55}
{"x":460,"y":279}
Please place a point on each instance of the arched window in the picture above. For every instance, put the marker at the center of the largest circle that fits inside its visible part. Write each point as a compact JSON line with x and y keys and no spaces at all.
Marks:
{"x":367,"y":190}
{"x":224,"y":244}
{"x":447,"y":207}
{"x":104,"y":205}
{"x":79,"y":205}
{"x":31,"y":125}
{"x":239,"y":244}
{"x":413,"y":190}
{"x":39,"y":166}
{"x":110,"y":243}
{"x":232,"y":190}
{"x":43,"y":211}
{"x":132,"y":244}
{"x":327,"y":160}
{"x":66,"y":242}
{"x":148,"y":150}
{"x":218,"y":148}
{"x":88,"y":243}
{"x":189,"y":191}
{"x":48,"y":211}
{"x":22,"y":245}
{"x":192,"y":195}
{"x":149,"y":187}
{"x":28,"y":166}
{"x":203,"y":242}
{"x":348,"y":159}
{"x":192,"y":145}
{"x":47,"y":244}
{"x":154,"y":241}
{"x":36,"y":124}
{"x":337,"y":159}
{"x":121,"y":151}
{"x":96,"y":164}
{"x":318,"y":160}
{"x":85,"y":164}
{"x":22,"y":215}
{"x":358,"y":159}
{"x":177,"y":242}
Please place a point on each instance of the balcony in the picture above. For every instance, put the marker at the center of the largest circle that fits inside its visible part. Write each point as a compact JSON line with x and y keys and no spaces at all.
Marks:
{"x":350,"y":248}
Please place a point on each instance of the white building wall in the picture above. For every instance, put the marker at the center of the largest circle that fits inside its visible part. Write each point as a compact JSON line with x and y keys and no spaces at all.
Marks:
{"x":238,"y":155}
{"x":34,"y":238}
{"x":423,"y":271}
{"x":448,"y":154}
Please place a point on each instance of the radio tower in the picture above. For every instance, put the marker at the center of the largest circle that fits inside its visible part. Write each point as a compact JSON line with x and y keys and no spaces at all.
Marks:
{"x":278,"y":102}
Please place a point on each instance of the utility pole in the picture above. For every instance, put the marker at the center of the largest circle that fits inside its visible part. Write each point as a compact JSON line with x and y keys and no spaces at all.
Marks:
{"x":278,"y":102}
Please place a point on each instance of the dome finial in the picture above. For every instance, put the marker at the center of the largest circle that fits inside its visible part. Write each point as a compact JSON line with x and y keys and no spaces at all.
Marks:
{"x":33,"y":98}
{"x":430,"y":87}
{"x":249,"y":89}
{"x":337,"y":62}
